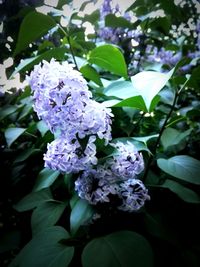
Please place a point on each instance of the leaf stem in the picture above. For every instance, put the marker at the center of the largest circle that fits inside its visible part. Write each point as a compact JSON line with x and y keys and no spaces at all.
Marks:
{"x":160,"y":135}
{"x":70,"y":45}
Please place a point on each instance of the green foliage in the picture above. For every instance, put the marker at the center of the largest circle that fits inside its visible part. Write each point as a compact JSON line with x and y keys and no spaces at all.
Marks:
{"x":183,"y":192}
{"x":123,"y":248}
{"x":33,"y":26}
{"x":45,"y":249}
{"x":28,"y":63}
{"x":171,"y":137}
{"x":109,"y":58}
{"x":113,"y":21}
{"x":11,"y":134}
{"x":45,"y":179}
{"x":90,"y":73}
{"x":80,"y":214}
{"x":33,"y":200}
{"x":148,"y":84}
{"x":182,"y":167}
{"x":46,"y":215}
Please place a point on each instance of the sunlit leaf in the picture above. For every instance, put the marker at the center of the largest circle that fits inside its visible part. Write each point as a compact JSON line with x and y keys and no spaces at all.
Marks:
{"x":110,"y":58}
{"x":149,"y":83}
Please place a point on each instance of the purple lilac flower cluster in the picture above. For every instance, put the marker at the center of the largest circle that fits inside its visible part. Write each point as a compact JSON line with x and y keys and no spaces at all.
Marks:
{"x":108,"y":33}
{"x":63,"y":101}
{"x":114,"y":35}
{"x":168,"y":57}
{"x":68,"y":156}
{"x":171,"y":58}
{"x":117,"y":177}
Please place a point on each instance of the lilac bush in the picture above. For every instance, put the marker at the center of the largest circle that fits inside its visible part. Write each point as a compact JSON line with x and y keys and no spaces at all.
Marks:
{"x":102,"y":138}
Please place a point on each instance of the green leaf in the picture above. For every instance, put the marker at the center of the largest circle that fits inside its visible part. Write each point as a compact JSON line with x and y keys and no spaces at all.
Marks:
{"x":161,"y":24}
{"x":110,"y":58}
{"x":42,"y":127}
{"x":154,"y":224}
{"x":28,"y":63}
{"x":124,"y":90}
{"x":119,"y":249}
{"x":6,"y":111}
{"x":149,"y":83}
{"x":183,"y":192}
{"x":135,"y":102}
{"x":154,"y":103}
{"x":80,"y":214}
{"x":145,"y":139}
{"x":92,"y":18}
{"x":120,"y":89}
{"x":91,"y":74}
{"x":171,"y":137}
{"x":26,"y":108}
{"x":139,"y":145}
{"x":113,"y":21}
{"x":11,"y":134}
{"x":45,"y":179}
{"x":45,"y":250}
{"x":26,"y":154}
{"x":182,"y":167}
{"x":32,"y":200}
{"x":46,"y":215}
{"x":194,"y":80}
{"x":33,"y":26}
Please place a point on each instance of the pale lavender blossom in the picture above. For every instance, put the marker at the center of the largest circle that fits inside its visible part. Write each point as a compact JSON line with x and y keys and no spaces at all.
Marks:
{"x":94,"y":186}
{"x":111,"y":34}
{"x":106,"y":8}
{"x":127,"y":162}
{"x":94,"y":120}
{"x":59,"y":92}
{"x":68,"y":156}
{"x":97,"y":186}
{"x":116,"y":177}
{"x":63,"y":100}
{"x":133,"y":194}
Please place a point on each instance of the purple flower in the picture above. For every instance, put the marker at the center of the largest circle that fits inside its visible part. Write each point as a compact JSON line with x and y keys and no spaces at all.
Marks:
{"x":59,"y":92}
{"x":106,"y":8}
{"x":133,"y":194}
{"x":127,"y":162}
{"x":63,"y":101}
{"x":67,"y":156}
{"x":94,"y":186}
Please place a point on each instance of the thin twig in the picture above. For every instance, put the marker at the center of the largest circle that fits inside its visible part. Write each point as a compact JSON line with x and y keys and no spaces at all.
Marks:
{"x":70,"y":46}
{"x":160,"y":134}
